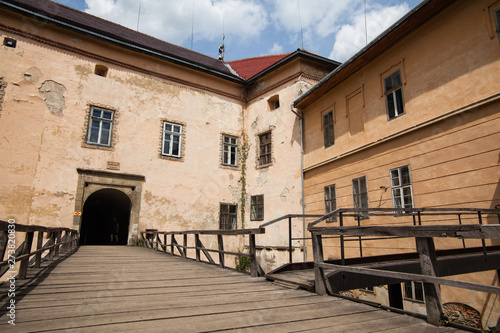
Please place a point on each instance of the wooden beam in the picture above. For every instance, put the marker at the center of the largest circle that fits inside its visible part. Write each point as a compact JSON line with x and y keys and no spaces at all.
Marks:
{"x":469,"y":231}
{"x":433,"y":302}
{"x":252,"y":254}
{"x":26,"y":250}
{"x":319,"y":276}
{"x":39,"y":245}
{"x":220,"y":244}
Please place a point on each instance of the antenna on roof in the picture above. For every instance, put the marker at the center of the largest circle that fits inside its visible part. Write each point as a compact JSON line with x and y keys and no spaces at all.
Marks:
{"x":139,"y":15}
{"x":192,"y":28}
{"x":222,"y":51}
{"x":300,"y":21}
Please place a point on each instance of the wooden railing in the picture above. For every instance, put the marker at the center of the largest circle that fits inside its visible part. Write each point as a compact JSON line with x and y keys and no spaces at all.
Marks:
{"x":60,"y":240}
{"x":166,"y":242}
{"x":424,"y":237}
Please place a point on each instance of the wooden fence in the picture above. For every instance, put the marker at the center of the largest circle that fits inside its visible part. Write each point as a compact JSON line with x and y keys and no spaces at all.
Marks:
{"x":59,"y":240}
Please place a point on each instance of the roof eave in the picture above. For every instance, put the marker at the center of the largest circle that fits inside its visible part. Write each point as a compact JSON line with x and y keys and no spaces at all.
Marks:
{"x":404,"y":26}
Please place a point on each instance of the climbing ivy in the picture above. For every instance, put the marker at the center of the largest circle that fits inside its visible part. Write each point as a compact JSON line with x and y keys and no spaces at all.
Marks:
{"x":244,"y":148}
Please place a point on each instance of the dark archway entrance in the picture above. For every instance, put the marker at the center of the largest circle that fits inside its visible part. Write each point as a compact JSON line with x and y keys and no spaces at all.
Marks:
{"x":99,"y":211}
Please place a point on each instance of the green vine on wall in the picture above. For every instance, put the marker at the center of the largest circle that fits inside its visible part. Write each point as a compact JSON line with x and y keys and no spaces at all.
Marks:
{"x":244,"y":148}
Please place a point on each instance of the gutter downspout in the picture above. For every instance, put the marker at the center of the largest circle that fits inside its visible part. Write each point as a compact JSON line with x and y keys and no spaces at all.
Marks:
{"x":301,"y":178}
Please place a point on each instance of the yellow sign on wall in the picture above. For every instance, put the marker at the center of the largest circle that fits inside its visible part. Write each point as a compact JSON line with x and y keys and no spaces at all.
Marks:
{"x":77,"y":213}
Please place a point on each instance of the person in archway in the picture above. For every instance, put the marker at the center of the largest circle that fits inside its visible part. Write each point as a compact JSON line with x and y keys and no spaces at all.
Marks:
{"x":114,"y":232}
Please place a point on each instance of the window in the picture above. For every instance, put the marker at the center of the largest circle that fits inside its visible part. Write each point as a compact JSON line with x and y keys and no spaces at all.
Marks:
{"x":172,"y":135}
{"x":257,"y":208}
{"x":100,"y":125}
{"x":9,"y":42}
{"x":227,"y":216}
{"x":273,"y":102}
{"x":402,"y":193}
{"x":265,"y":149}
{"x":330,"y":202}
{"x":360,"y":195}
{"x":101,"y":70}
{"x":328,"y":129}
{"x":229,"y":150}
{"x":393,"y":87}
{"x":414,"y":291}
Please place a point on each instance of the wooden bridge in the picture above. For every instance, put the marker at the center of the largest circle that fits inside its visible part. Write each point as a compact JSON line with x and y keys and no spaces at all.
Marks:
{"x":122,"y":289}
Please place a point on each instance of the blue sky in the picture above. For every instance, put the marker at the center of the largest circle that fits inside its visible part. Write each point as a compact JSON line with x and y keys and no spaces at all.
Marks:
{"x":331,"y":28}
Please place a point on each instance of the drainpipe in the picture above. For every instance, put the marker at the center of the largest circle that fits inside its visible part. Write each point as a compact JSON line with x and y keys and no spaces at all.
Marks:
{"x":301,"y":178}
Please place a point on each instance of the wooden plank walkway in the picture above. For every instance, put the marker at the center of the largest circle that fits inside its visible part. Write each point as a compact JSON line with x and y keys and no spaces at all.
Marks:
{"x":122,"y":289}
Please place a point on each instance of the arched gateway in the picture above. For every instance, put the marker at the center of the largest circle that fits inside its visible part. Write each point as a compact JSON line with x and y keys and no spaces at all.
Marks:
{"x":103,"y":197}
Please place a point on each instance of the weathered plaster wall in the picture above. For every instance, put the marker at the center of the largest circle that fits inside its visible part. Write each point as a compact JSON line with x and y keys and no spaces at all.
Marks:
{"x":44,"y":125}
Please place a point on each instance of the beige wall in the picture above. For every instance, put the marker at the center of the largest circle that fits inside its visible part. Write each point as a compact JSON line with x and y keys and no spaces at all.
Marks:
{"x":449,"y":134}
{"x":44,"y":122}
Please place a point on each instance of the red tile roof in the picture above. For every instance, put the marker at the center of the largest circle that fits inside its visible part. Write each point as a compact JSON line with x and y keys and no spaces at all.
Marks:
{"x":247,"y":68}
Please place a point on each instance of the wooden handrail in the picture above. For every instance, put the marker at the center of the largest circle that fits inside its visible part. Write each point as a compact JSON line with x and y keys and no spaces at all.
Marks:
{"x":152,"y":239}
{"x":22,"y":252}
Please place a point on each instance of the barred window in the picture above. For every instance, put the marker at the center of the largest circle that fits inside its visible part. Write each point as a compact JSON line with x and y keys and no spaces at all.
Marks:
{"x":172,"y":139}
{"x":402,"y":192}
{"x":393,"y":86}
{"x":228,"y":216}
{"x":229,"y":150}
{"x":265,"y":149}
{"x":257,"y":208}
{"x":100,"y":125}
{"x":330,"y":201}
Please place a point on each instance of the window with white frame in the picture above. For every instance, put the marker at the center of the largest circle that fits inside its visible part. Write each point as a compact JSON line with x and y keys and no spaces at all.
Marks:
{"x":393,"y":87}
{"x":328,"y":135}
{"x":228,"y":216}
{"x":100,"y":126}
{"x":172,"y":139}
{"x":402,"y":192}
{"x":229,"y":150}
{"x":414,"y":291}
{"x":257,"y":208}
{"x":330,"y":201}
{"x":360,"y":195}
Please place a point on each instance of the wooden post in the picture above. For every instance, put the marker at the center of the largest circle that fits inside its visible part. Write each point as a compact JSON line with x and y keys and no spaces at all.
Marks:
{"x":52,"y":241}
{"x":290,"y":239}
{"x":172,"y":240}
{"x":432,"y":292}
{"x":3,"y":243}
{"x":57,"y":243}
{"x":185,"y":241}
{"x":220,"y":242}
{"x":197,"y":246}
{"x":254,"y":271}
{"x":165,"y":242}
{"x":27,"y":249}
{"x":39,"y":245}
{"x":319,"y":278}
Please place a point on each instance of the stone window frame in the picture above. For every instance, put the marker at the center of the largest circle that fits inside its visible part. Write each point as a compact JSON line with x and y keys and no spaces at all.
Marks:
{"x":221,"y":151}
{"x":183,"y":140}
{"x":257,"y":150}
{"x":114,"y":126}
{"x":228,"y":225}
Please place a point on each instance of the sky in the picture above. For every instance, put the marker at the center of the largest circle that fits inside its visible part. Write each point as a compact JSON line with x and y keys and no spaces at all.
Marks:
{"x":333,"y":29}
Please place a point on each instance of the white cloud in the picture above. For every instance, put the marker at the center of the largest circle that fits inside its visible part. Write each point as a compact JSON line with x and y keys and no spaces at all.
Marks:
{"x":351,"y":37}
{"x":276,"y":49}
{"x":173,"y":22}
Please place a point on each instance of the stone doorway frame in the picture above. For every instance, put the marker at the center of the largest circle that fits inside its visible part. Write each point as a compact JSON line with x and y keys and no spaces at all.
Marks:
{"x":91,"y":181}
